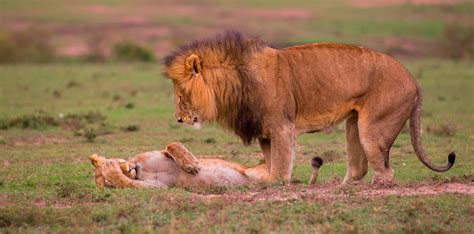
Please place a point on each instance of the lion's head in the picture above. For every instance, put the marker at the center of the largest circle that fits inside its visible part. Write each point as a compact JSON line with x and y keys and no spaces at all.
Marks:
{"x":212,"y":82}
{"x":194,"y":100}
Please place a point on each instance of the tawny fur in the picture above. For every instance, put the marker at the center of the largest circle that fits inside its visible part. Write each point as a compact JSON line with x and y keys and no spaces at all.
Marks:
{"x":273,"y":95}
{"x":173,"y":167}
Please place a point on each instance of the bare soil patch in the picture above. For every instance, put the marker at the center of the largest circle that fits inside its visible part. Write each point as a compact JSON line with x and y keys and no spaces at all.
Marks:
{"x":334,"y":191}
{"x":38,"y":140}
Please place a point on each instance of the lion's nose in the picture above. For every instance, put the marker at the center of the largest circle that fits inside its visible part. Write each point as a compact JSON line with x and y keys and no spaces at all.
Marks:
{"x":180,"y":120}
{"x":195,"y":119}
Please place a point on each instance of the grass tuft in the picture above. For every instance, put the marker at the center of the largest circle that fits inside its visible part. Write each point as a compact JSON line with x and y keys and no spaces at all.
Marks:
{"x":443,"y":130}
{"x":129,"y":51}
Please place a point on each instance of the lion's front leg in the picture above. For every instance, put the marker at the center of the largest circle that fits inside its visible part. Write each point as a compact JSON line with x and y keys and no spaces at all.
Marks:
{"x":282,"y":153}
{"x":265,"y":146}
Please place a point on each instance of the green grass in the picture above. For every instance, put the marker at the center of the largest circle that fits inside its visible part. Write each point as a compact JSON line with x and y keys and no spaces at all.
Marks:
{"x":49,"y":186}
{"x":46,"y":182}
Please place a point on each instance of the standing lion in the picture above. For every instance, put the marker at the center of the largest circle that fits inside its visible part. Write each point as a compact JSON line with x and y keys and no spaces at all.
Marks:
{"x":272,"y":95}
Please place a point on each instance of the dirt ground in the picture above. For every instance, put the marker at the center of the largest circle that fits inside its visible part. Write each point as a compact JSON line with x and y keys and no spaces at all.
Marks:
{"x":335,"y":191}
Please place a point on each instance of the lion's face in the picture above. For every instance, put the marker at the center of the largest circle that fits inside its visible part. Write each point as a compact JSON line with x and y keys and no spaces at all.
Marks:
{"x":194,"y":99}
{"x":185,"y":112}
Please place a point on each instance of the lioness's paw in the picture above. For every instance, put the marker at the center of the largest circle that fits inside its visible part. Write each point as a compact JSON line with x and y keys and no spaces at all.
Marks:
{"x":113,"y":173}
{"x":183,"y":157}
{"x":192,"y":167}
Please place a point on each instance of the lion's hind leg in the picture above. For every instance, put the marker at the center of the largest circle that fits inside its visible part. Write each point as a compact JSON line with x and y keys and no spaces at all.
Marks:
{"x":377,"y":134}
{"x":357,"y":164}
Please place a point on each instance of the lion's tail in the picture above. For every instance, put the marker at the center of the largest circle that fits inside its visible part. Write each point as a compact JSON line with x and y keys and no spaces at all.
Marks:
{"x":415,"y":122}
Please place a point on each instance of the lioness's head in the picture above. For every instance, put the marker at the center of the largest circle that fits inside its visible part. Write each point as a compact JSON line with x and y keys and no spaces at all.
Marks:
{"x":128,"y":168}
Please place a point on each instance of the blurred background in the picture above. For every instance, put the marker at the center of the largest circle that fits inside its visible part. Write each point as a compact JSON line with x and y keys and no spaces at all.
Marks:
{"x":146,"y":30}
{"x":79,"y":77}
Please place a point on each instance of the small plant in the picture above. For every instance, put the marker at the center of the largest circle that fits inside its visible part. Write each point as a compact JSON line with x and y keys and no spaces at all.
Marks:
{"x":116,"y":97}
{"x":129,"y":51}
{"x":330,"y":156}
{"x":4,"y":124}
{"x":57,"y":94}
{"x":444,"y":130}
{"x":186,"y":139}
{"x":131,"y":128}
{"x":210,"y":140}
{"x":98,"y":218}
{"x":90,"y":135}
{"x":72,"y":84}
{"x":130,"y":105}
{"x":68,"y":189}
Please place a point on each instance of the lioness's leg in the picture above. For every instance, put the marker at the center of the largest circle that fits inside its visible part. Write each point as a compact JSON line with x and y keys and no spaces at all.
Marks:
{"x":265,"y":145}
{"x":183,"y":157}
{"x":112,"y":173}
{"x":356,"y":160}
{"x":282,"y":152}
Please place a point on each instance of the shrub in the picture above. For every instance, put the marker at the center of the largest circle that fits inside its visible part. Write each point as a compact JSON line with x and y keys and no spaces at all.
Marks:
{"x":459,"y":41}
{"x":31,"y":45}
{"x":128,"y":51}
{"x":33,"y":121}
{"x":443,"y":130}
{"x":95,"y":54}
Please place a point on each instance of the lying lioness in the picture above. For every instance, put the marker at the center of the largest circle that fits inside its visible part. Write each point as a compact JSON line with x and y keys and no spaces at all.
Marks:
{"x":176,"y":166}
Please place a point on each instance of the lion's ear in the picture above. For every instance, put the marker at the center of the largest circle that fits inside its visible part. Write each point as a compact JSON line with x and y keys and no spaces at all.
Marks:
{"x":193,"y":64}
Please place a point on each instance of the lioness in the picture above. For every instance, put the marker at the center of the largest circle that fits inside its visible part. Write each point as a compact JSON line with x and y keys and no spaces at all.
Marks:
{"x":272,"y":95}
{"x":176,"y":166}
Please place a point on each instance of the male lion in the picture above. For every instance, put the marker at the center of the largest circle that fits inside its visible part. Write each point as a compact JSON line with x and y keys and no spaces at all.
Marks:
{"x":272,"y":95}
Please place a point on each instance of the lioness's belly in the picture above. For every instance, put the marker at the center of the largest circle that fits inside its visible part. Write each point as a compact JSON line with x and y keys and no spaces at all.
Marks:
{"x":212,"y":175}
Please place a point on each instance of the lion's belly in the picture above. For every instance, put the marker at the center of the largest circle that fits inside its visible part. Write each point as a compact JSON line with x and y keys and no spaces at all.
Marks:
{"x":318,"y":120}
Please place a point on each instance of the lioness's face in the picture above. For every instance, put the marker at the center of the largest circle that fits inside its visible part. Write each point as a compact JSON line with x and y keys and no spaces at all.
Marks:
{"x":184,"y":111}
{"x":127,"y":167}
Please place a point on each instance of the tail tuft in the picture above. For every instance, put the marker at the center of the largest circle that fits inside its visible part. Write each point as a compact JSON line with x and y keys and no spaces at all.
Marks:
{"x":317,"y":162}
{"x":452,"y":158}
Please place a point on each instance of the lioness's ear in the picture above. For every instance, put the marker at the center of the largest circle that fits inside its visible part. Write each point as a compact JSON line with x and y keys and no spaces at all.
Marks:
{"x":193,"y":64}
{"x":96,"y":160}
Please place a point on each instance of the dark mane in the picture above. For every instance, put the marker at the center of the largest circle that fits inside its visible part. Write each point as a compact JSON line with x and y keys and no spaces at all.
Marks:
{"x":231,"y":43}
{"x":237,"y":91}
{"x":246,"y":119}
